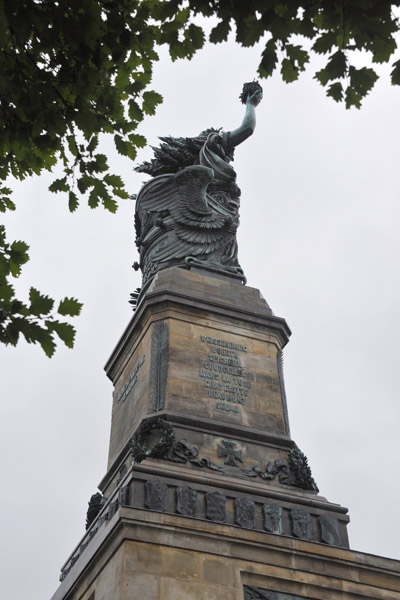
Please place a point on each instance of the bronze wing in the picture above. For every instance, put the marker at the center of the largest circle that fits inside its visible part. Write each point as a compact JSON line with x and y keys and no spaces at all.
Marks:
{"x":177,"y":219}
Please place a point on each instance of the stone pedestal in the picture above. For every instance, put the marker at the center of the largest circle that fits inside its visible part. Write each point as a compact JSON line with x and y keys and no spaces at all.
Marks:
{"x":206,"y":494}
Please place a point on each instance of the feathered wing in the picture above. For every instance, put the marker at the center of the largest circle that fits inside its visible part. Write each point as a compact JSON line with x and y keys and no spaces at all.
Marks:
{"x":200,"y":220}
{"x":176,"y":218}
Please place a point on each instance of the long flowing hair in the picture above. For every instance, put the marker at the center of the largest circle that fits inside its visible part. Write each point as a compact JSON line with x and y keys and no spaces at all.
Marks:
{"x":175,"y":153}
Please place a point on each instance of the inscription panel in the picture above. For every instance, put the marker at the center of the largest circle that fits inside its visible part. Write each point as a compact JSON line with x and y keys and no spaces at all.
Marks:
{"x":223,"y":374}
{"x":130,"y":397}
{"x":131,"y":382}
{"x":228,"y":375}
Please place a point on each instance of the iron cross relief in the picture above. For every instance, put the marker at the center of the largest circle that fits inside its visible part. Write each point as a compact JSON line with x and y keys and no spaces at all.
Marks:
{"x":228,"y":450}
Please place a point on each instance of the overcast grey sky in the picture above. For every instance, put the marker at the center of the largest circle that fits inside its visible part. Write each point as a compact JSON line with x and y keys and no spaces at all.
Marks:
{"x":319,"y":237}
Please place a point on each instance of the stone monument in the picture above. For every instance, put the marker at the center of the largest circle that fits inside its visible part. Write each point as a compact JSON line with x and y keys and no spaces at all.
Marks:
{"x":206,"y":495}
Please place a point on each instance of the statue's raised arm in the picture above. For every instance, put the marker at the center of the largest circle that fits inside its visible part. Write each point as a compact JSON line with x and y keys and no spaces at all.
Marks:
{"x":251,"y":96}
{"x":188,"y":214}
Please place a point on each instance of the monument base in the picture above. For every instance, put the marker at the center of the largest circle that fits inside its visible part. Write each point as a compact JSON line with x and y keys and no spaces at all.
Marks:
{"x":135,"y":552}
{"x":206,"y":495}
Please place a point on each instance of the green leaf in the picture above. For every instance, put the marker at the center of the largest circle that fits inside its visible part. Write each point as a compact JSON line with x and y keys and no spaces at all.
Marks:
{"x":289,"y":71}
{"x":337,"y":65}
{"x":324,"y":42}
{"x":395,"y":74}
{"x":135,"y":112}
{"x":138,"y":140}
{"x":39,"y":303}
{"x":121,"y":145}
{"x":362,"y":80}
{"x":73,"y":201}
{"x":102,"y":194}
{"x":94,"y":197}
{"x":335,"y":91}
{"x":269,"y":59}
{"x":11,"y":333}
{"x":93,"y":143}
{"x":121,"y":193}
{"x":59,"y":185}
{"x":65,"y":332}
{"x":383,"y":49}
{"x":31,"y":330}
{"x":336,"y":68}
{"x":196,"y":35}
{"x":352,"y":98}
{"x":73,"y":148}
{"x":16,"y":306}
{"x":70,"y":306}
{"x":2,"y":235}
{"x":84,"y":183}
{"x":5,"y":202}
{"x":297,"y":55}
{"x":150,"y":101}
{"x":109,"y":203}
{"x":101,"y":163}
{"x":47,"y":343}
{"x":113,"y":180}
{"x":131,"y":151}
{"x":4,"y":267}
{"x":18,"y":256}
{"x":6,"y":291}
{"x":182,"y":16}
{"x":220,"y":32}
{"x":33,"y":333}
{"x":21,"y":247}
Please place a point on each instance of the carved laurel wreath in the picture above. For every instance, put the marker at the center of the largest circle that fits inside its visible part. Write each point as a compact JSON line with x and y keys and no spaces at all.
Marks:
{"x":139,"y":447}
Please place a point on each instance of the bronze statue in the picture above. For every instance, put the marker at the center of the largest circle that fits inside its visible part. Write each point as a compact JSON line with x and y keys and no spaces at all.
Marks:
{"x":188,"y":214}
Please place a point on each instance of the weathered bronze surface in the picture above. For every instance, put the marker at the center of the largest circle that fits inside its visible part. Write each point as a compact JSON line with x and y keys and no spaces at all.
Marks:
{"x":188,"y":214}
{"x":159,"y":364}
{"x":186,"y":501}
{"x":156,"y":495}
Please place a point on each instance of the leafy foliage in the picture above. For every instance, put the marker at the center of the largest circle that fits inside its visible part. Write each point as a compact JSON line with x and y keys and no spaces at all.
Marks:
{"x":70,"y":71}
{"x":339,"y":29}
{"x":35,"y":319}
{"x":73,"y":70}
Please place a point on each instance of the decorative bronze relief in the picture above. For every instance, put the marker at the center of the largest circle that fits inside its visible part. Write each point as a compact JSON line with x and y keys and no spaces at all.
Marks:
{"x":273,"y":518}
{"x":216,"y":510}
{"x":159,"y":364}
{"x":156,"y":495}
{"x":245,"y":512}
{"x":330,"y":530}
{"x":144,"y":446}
{"x":228,"y":451}
{"x":186,"y":501}
{"x":181,"y":452}
{"x":301,"y":523}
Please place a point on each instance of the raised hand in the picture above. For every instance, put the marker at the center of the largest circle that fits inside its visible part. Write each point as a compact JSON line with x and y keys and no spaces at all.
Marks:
{"x":255,"y":98}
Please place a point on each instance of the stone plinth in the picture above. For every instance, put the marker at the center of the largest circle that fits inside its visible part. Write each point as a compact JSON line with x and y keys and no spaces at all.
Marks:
{"x":206,"y":494}
{"x":223,"y":364}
